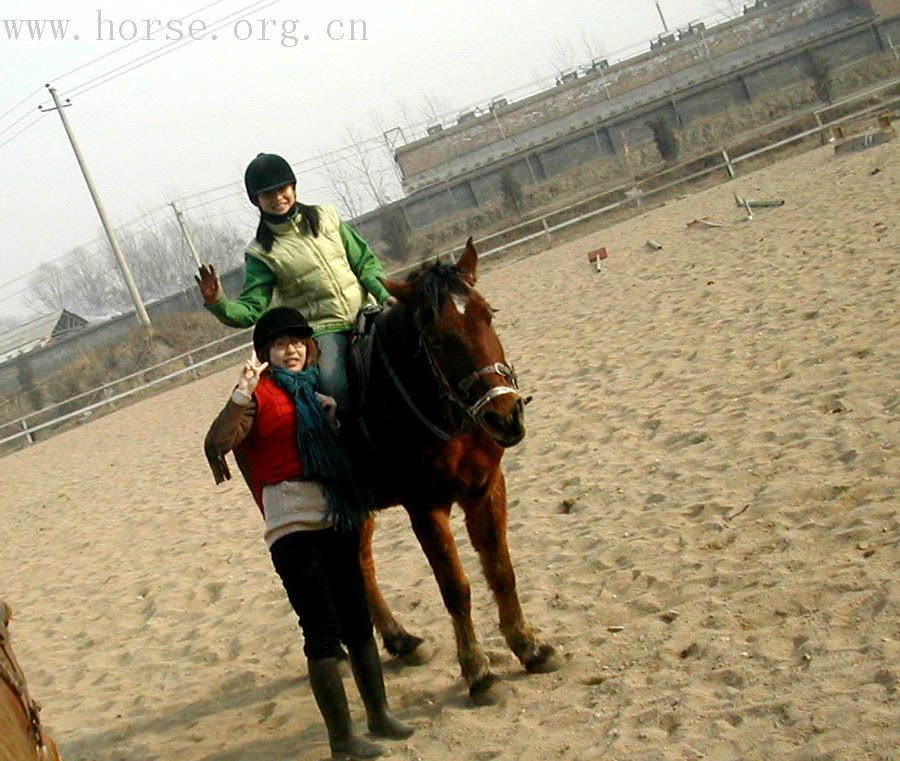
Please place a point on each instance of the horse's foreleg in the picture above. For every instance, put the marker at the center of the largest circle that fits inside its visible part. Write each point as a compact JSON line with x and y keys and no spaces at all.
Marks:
{"x":432,"y":528}
{"x":486,"y":524}
{"x":397,"y":641}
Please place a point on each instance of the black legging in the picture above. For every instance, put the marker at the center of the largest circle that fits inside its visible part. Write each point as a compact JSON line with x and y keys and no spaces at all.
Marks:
{"x":321,"y":574}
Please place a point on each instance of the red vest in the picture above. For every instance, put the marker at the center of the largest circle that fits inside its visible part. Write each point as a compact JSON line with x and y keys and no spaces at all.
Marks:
{"x":270,"y":449}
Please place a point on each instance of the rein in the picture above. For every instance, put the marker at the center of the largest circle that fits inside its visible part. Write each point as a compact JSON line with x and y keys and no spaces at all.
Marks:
{"x":382,"y":354}
{"x":11,"y":675}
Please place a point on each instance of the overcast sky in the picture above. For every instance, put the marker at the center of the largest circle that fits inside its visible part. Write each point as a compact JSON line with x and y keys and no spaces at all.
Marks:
{"x":192,"y":119}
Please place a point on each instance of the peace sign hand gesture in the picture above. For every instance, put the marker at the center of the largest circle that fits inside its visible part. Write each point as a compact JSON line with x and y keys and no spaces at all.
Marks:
{"x":250,"y":373}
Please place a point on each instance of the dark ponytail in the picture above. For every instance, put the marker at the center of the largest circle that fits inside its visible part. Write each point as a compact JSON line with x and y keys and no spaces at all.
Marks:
{"x":264,"y":235}
{"x":311,"y":214}
{"x":266,"y":238}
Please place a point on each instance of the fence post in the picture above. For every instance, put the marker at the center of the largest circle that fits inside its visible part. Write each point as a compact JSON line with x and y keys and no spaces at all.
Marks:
{"x":28,"y":434}
{"x":546,"y":229}
{"x":729,"y":167}
{"x":194,"y":373}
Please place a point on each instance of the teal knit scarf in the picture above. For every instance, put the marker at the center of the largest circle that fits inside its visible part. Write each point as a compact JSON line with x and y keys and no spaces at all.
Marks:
{"x":321,"y":453}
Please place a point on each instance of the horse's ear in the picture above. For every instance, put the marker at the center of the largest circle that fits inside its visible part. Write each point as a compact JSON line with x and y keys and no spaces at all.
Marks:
{"x":468,"y":262}
{"x":400,"y":290}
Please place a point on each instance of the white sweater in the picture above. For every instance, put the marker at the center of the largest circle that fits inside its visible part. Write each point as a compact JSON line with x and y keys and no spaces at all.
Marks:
{"x":294,"y":506}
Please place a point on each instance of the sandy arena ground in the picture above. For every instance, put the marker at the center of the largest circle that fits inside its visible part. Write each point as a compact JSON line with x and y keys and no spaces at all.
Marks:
{"x":703,"y":518}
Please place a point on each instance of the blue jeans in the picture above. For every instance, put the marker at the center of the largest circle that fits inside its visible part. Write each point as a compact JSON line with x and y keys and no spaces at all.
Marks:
{"x":333,"y":367}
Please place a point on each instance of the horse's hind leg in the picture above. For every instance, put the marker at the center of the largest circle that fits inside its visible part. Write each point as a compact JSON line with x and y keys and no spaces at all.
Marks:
{"x":432,"y":528}
{"x":397,"y":641}
{"x":486,"y":524}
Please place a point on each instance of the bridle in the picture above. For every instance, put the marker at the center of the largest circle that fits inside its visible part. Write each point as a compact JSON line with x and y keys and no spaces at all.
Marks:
{"x":11,"y":675}
{"x":454,"y":396}
{"x":457,"y":399}
{"x":458,"y":396}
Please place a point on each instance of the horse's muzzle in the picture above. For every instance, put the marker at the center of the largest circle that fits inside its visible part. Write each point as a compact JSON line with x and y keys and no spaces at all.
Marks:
{"x":505,"y":430}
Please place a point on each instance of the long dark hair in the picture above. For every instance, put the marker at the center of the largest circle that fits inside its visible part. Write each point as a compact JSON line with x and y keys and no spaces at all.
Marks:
{"x":265,"y":237}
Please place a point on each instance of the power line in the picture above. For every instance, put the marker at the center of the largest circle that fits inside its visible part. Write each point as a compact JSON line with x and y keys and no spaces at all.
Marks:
{"x":24,"y":129}
{"x":95,"y":60}
{"x":24,"y":100}
{"x":214,"y":200}
{"x":153,"y":55}
{"x":376,"y":142}
{"x":133,"y":65}
{"x":24,"y":116}
{"x":129,"y":44}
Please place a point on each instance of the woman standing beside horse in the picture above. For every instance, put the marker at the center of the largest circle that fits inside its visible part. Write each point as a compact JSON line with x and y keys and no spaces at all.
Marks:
{"x":284,"y":440}
{"x":309,"y":259}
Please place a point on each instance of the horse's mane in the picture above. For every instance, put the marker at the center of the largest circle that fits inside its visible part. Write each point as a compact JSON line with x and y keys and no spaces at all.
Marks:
{"x":434,"y":282}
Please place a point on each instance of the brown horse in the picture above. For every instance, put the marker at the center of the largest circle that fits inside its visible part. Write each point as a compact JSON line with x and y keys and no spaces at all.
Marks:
{"x":21,"y":736}
{"x":440,"y":406}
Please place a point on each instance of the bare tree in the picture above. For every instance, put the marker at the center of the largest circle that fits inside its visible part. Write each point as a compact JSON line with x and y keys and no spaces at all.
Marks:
{"x":562,"y":56}
{"x":94,"y":282}
{"x":221,"y":242}
{"x":372,"y":172}
{"x":88,"y":281}
{"x":593,"y":46}
{"x":434,"y":109}
{"x":343,"y":183}
{"x":406,"y":116}
{"x":47,"y":289}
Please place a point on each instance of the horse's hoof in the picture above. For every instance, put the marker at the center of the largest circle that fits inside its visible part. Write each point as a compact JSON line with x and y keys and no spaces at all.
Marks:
{"x":546,"y":660}
{"x":489,"y":691}
{"x":420,"y":656}
{"x":401,"y":645}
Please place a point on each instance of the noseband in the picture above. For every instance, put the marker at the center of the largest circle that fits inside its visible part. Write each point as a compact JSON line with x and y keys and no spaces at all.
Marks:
{"x":459,"y":394}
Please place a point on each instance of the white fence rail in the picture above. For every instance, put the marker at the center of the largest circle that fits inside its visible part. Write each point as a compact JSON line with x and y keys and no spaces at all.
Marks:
{"x":546,"y":229}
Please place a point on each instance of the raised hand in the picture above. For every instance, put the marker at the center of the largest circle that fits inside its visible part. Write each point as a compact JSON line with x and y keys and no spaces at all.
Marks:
{"x":250,"y":373}
{"x":210,"y":285}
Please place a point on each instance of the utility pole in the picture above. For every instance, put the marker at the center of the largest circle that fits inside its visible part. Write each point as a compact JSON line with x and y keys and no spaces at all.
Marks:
{"x":104,"y":219}
{"x":662,"y":18}
{"x":185,"y":232}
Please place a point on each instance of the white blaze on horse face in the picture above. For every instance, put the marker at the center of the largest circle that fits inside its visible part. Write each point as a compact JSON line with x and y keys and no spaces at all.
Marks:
{"x":460,"y":301}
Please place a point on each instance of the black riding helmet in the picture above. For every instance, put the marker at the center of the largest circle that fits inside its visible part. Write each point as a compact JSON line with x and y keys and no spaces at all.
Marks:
{"x":277,"y":322}
{"x":267,"y":172}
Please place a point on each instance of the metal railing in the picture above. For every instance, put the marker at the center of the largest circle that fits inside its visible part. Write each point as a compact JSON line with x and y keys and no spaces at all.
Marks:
{"x":546,"y":229}
{"x":107,"y":390}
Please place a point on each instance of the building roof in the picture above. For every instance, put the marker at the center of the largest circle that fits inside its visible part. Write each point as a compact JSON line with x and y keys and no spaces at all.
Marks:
{"x":38,"y":332}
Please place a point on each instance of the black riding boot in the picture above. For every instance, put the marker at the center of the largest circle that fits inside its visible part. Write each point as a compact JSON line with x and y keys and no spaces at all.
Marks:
{"x":366,"y":665}
{"x":328,"y":689}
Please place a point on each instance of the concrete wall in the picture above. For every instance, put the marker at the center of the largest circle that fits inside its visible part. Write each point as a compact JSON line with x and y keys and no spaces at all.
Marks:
{"x":686,"y":100}
{"x":500,"y":129}
{"x":600,"y":130}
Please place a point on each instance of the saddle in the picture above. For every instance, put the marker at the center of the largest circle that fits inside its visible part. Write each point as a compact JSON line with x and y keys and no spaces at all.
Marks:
{"x":21,"y":736}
